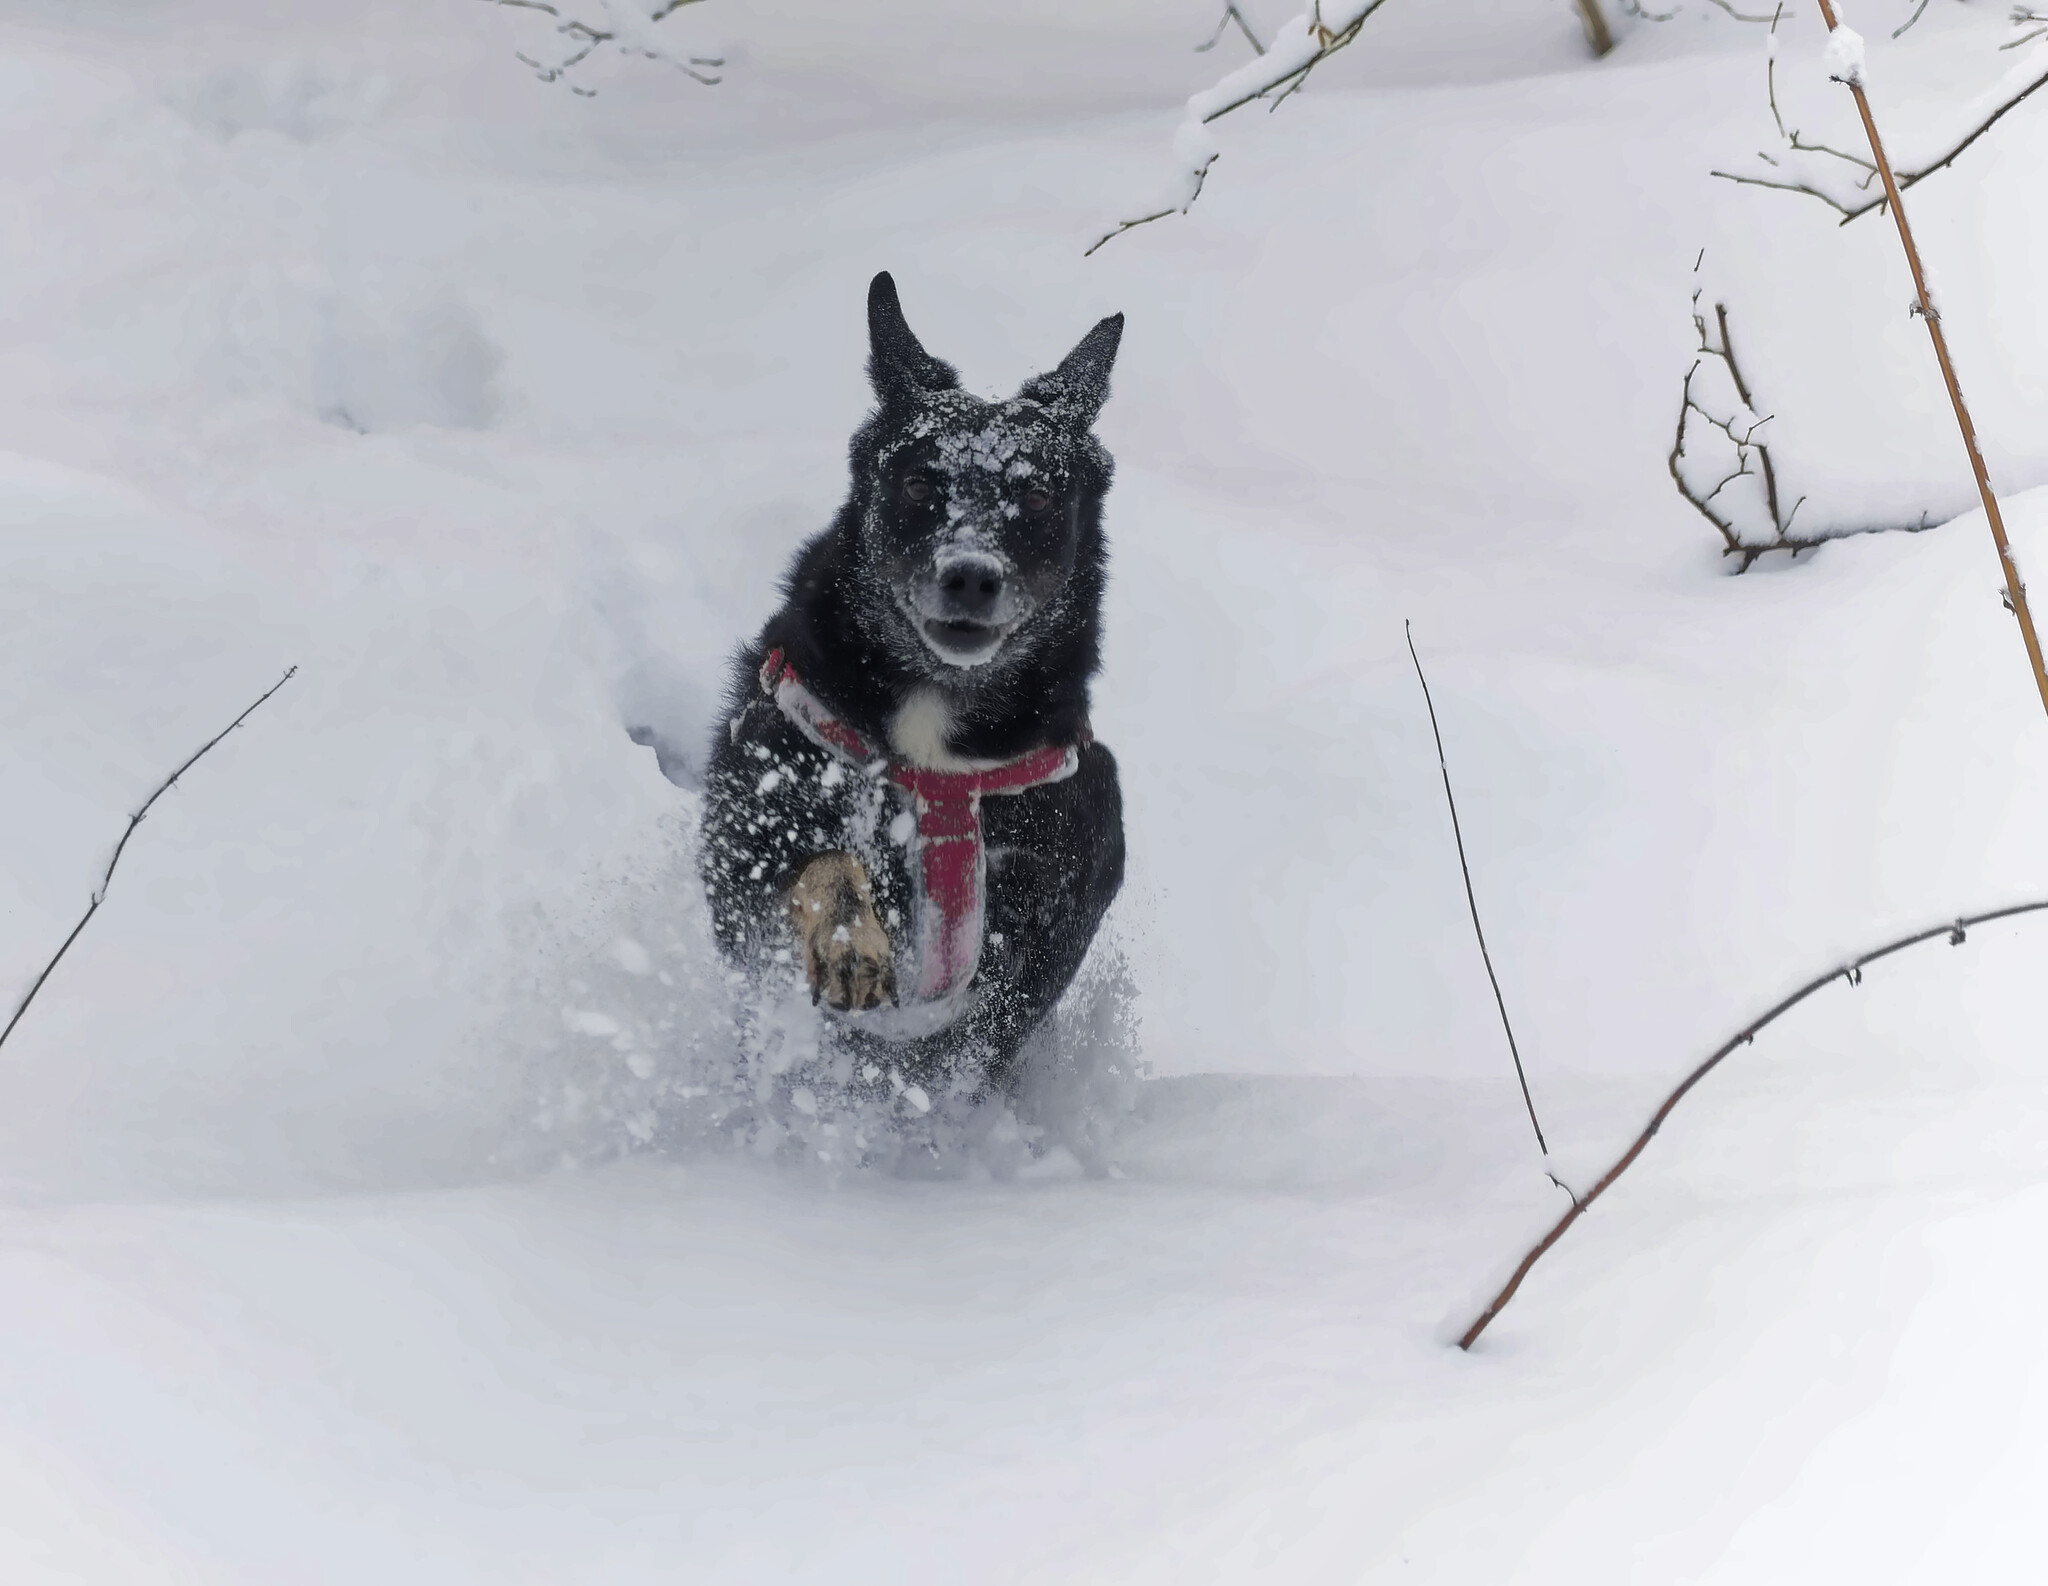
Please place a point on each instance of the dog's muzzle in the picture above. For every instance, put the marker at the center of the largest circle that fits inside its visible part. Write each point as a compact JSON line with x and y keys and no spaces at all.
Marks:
{"x":965,"y":605}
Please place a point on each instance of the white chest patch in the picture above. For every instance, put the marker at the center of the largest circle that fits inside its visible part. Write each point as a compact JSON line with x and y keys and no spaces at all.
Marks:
{"x":920,"y":728}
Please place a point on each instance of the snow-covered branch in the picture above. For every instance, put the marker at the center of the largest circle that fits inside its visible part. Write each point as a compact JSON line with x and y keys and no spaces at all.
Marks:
{"x":1274,"y":74}
{"x":1848,"y":183}
{"x":1732,"y":483}
{"x":583,"y":27}
{"x":1278,"y":71}
{"x":1720,"y":462}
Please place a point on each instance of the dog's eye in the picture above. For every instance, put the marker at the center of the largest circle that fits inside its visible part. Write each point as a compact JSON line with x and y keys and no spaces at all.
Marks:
{"x":917,"y":488}
{"x":1036,"y":500}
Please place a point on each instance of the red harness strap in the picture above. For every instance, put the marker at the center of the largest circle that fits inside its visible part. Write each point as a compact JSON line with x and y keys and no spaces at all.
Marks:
{"x":949,"y":867}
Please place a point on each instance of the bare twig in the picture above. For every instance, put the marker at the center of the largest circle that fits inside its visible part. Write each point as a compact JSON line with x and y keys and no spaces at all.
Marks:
{"x":1636,"y":9}
{"x":1852,"y":972}
{"x":1851,"y":207}
{"x":1793,"y":138}
{"x":2015,"y":586}
{"x":100,"y":894}
{"x":1741,"y":16}
{"x":1472,"y":902}
{"x":1741,"y":429}
{"x":1232,"y":14}
{"x":1741,"y":433}
{"x":1919,"y":11}
{"x":1798,"y":143}
{"x":585,"y":38}
{"x":2027,"y":17}
{"x":1122,"y":226}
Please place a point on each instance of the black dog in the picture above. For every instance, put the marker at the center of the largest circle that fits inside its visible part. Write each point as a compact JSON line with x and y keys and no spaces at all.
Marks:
{"x":904,"y":799}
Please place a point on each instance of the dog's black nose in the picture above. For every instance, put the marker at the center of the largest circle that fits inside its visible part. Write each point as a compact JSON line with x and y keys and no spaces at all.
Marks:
{"x":970,"y":584}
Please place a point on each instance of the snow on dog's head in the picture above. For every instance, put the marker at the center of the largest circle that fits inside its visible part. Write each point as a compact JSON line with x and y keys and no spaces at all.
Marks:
{"x":981,"y":520}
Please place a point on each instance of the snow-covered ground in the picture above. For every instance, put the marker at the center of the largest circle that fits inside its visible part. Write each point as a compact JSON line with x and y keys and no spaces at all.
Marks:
{"x":363,"y":1216}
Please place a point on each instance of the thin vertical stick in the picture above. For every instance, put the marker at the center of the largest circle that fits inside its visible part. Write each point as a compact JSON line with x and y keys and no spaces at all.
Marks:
{"x":1473,"y":903}
{"x":2016,"y":590}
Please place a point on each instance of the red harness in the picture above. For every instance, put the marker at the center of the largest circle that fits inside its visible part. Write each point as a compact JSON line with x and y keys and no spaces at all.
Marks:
{"x":949,"y":868}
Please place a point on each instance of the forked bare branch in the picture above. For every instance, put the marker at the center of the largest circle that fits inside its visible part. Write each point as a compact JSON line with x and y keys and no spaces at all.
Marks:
{"x":2028,"y":17}
{"x":1854,"y":189}
{"x":589,"y":26}
{"x":1753,"y":527}
{"x":1231,"y":14}
{"x":1738,"y":425}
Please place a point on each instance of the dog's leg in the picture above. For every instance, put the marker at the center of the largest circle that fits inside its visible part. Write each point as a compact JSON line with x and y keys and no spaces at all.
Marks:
{"x":847,"y":956}
{"x":1056,"y":860}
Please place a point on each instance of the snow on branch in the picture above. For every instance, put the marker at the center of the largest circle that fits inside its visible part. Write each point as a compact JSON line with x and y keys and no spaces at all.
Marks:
{"x":1722,"y":465}
{"x":583,"y":27}
{"x":1274,"y":74}
{"x":1736,"y":487}
{"x":1847,"y":182}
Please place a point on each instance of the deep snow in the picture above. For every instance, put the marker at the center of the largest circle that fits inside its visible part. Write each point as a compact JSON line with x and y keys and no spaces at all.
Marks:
{"x":333,"y":338}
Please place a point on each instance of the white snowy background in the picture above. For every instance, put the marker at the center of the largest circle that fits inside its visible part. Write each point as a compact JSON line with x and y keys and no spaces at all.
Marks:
{"x":353,"y":1225}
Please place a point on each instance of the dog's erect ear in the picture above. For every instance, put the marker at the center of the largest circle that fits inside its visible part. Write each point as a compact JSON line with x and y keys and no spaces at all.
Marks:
{"x":1077,"y":389}
{"x":898,"y":366}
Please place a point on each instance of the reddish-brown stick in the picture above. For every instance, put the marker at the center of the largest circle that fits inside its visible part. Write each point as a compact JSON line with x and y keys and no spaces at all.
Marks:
{"x":1851,"y":972}
{"x":2015,"y":587}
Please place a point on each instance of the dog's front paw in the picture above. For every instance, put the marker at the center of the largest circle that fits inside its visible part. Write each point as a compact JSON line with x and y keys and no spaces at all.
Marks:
{"x":847,"y":956}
